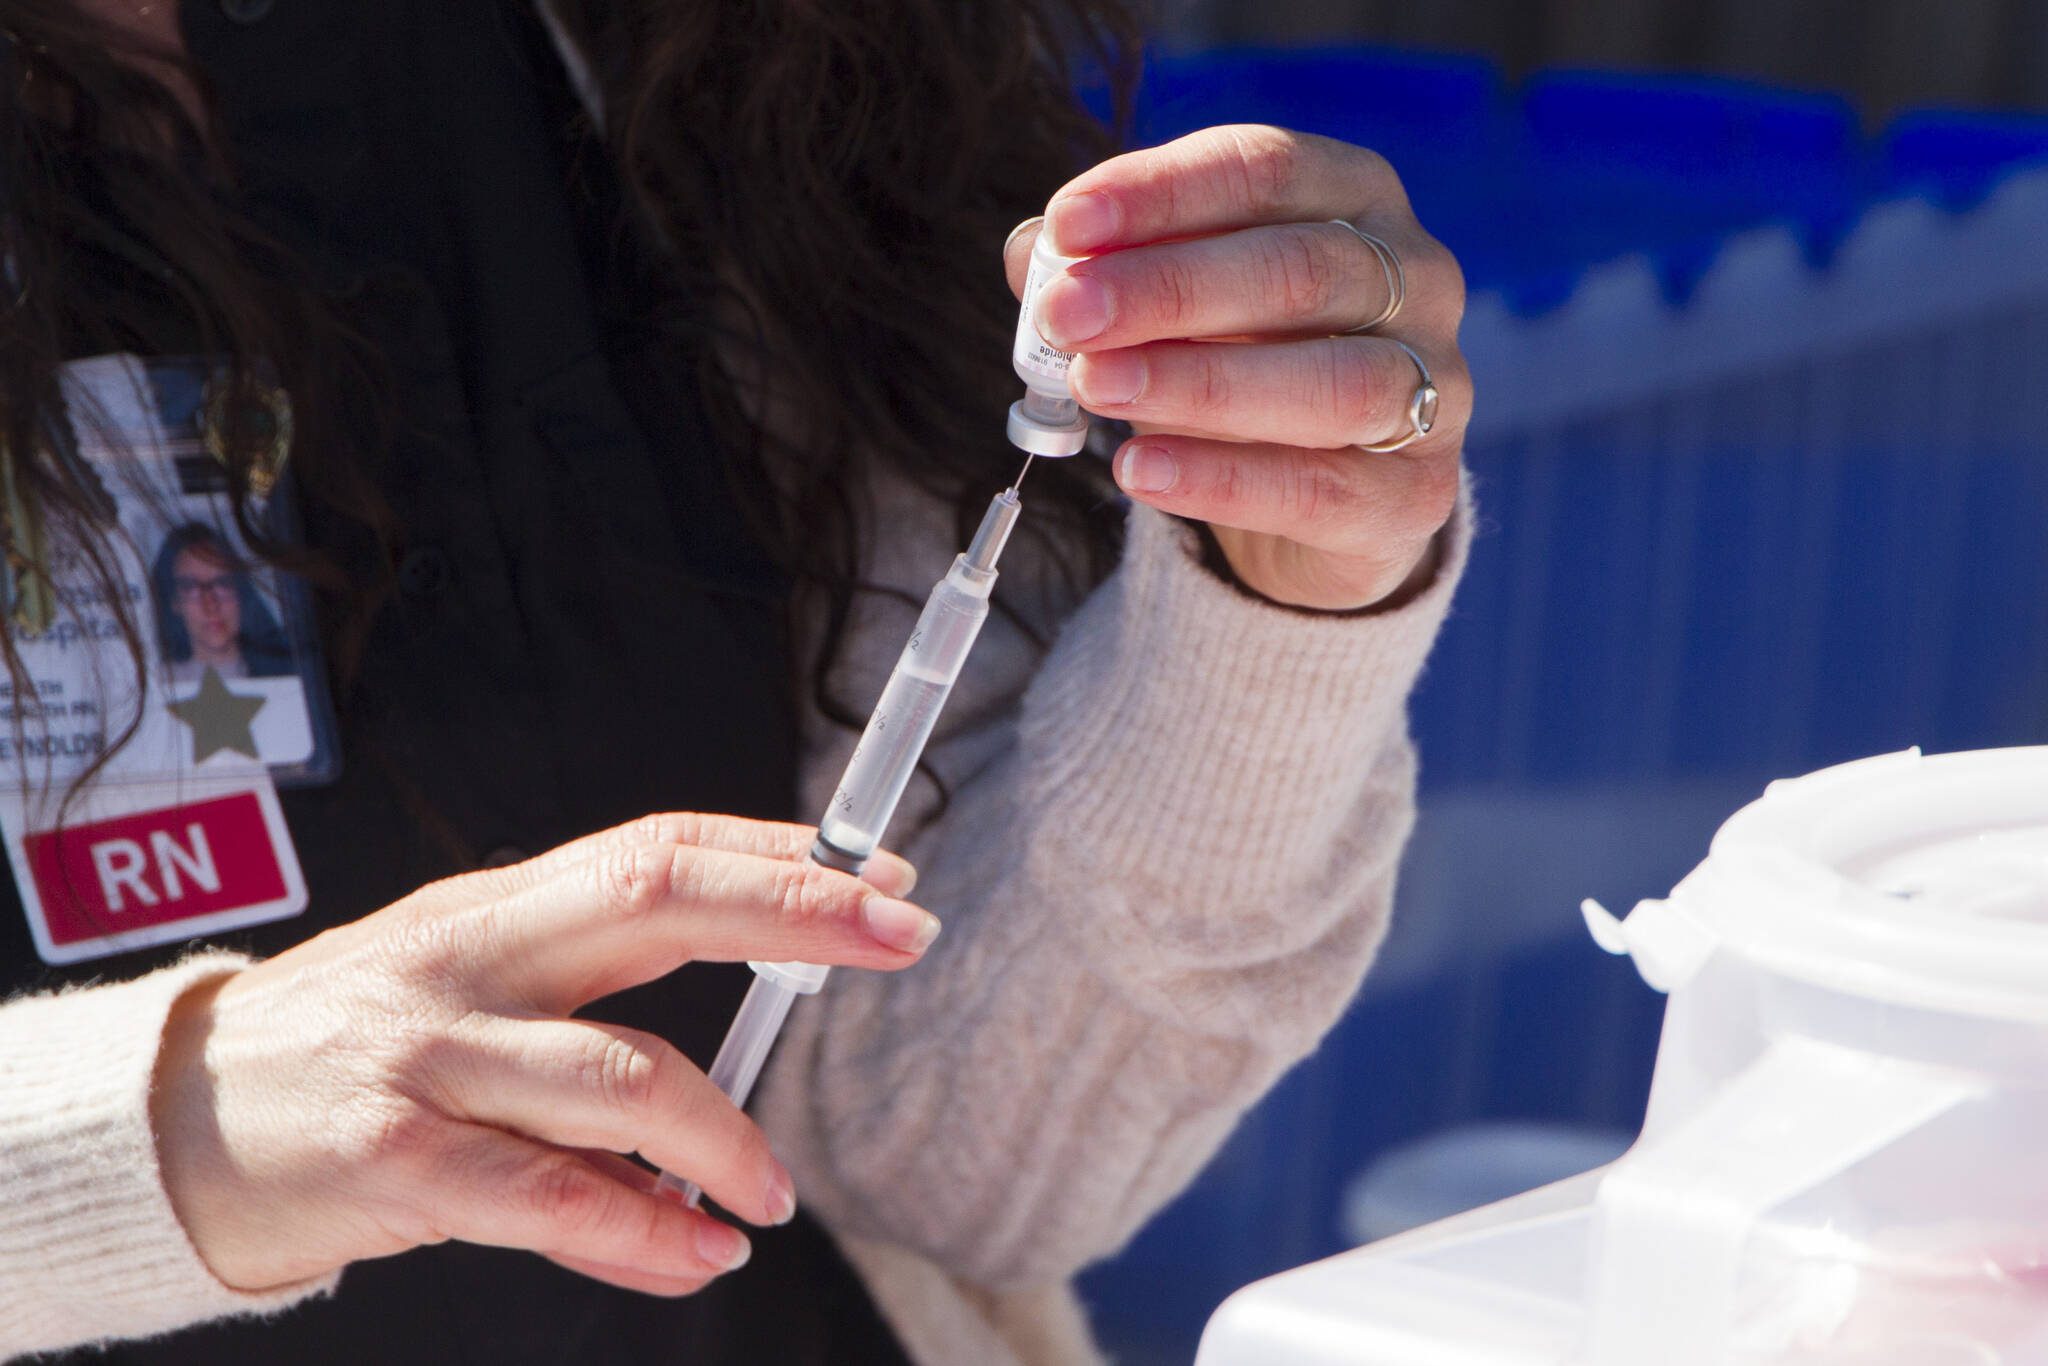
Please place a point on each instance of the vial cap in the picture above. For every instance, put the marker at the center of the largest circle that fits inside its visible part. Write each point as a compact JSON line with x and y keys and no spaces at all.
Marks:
{"x":1055,"y":427}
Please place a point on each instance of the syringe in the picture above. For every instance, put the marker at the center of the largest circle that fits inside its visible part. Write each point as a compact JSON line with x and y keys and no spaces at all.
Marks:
{"x":868,"y":791}
{"x":1046,"y":421}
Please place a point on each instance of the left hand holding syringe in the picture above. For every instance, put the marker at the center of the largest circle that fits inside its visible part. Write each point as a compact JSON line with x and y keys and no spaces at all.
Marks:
{"x":420,"y":1074}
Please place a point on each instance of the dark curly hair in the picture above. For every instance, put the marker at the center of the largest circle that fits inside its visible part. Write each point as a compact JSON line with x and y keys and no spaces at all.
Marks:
{"x":829,"y":182}
{"x":839,"y":177}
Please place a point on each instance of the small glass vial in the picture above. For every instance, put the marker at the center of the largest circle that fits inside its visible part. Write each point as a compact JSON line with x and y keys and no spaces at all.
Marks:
{"x":1047,"y":420}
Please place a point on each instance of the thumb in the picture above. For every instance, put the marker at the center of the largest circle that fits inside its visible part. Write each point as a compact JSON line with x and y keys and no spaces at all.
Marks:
{"x":1017,"y":252}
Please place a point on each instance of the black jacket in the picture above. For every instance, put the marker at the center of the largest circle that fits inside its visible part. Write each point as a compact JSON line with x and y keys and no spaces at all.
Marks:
{"x":582,"y":632}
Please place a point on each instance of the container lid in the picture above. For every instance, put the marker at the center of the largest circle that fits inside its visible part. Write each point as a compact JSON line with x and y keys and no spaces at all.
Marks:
{"x":1910,"y":879}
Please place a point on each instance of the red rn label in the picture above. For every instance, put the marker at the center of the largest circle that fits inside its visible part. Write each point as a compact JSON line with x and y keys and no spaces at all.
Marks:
{"x":153,"y":867}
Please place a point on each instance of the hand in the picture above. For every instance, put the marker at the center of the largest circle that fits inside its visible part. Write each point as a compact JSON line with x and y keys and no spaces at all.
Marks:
{"x":415,"y":1076}
{"x":1224,"y":236}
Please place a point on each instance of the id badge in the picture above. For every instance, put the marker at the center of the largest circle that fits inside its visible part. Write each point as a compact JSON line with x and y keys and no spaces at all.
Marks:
{"x":140,"y":808}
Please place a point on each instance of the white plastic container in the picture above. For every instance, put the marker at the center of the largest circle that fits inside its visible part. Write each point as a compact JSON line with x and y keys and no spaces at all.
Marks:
{"x":1845,"y":1160}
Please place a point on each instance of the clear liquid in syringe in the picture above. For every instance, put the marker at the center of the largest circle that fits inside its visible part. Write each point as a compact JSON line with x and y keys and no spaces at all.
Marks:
{"x":884,"y":760}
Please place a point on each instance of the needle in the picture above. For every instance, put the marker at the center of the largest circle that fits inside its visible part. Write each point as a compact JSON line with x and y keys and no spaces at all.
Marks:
{"x":1028,"y":458}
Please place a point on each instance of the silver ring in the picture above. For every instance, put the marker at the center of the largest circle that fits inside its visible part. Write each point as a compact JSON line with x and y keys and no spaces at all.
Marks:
{"x":1422,"y":405}
{"x":1390,"y":266}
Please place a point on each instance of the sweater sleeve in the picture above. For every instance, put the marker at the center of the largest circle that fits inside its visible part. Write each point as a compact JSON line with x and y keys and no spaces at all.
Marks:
{"x":90,"y":1249}
{"x":1163,"y":874}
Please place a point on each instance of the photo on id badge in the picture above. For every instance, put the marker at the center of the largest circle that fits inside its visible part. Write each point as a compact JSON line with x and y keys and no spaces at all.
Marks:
{"x":142,"y":809}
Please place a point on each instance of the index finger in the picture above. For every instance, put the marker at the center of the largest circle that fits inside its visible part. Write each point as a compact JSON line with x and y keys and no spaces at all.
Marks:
{"x":639,"y":912}
{"x":1238,"y":176}
{"x":733,"y":834}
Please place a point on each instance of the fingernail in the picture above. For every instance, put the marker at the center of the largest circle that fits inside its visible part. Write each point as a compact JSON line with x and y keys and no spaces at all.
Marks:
{"x":1111,"y":378}
{"x":899,"y":924}
{"x":1081,"y":223}
{"x":1019,"y":231}
{"x":891,"y":876}
{"x":781,"y":1200}
{"x":1146,"y":469}
{"x":722,"y":1245}
{"x":1072,"y":309}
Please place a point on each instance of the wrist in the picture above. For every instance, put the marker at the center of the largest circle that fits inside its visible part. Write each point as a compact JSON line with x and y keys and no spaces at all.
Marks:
{"x":1247,"y":563}
{"x":191,"y":1153}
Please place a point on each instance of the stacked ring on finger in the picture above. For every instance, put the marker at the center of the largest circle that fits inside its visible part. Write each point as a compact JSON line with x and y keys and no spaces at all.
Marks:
{"x":1422,"y":406}
{"x":1390,"y":266}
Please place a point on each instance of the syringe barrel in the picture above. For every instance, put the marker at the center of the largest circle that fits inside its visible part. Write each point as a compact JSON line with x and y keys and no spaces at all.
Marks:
{"x":861,"y":807}
{"x":902,"y":720}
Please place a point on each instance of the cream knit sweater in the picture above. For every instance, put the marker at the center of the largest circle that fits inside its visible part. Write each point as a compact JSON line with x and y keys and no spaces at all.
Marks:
{"x":1167,"y":863}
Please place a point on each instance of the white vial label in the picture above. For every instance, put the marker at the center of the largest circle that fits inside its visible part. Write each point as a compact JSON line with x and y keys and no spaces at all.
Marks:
{"x":1033,"y":356}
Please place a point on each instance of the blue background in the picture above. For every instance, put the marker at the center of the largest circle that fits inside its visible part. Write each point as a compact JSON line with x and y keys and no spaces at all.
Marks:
{"x":1668,"y":606}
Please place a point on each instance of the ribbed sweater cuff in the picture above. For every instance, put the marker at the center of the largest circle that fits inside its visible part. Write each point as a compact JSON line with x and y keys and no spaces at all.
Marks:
{"x":90,"y":1249}
{"x":1225,"y":724}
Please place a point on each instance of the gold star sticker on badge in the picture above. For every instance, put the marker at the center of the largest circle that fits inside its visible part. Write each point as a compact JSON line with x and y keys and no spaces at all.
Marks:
{"x":219,"y":718}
